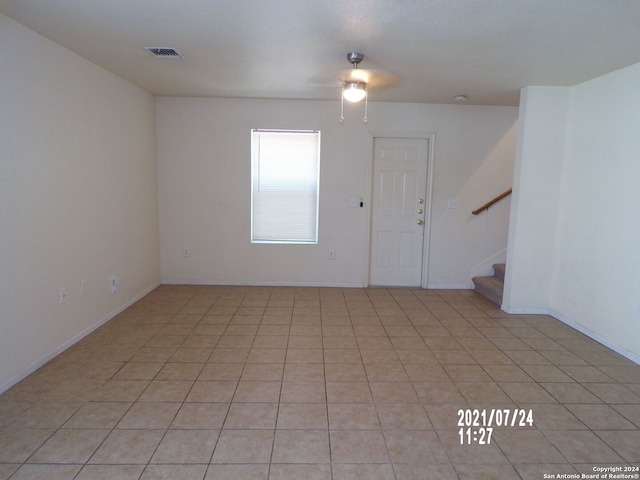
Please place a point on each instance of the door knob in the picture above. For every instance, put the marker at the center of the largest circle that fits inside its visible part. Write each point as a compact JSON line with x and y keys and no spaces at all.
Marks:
{"x":420,"y":222}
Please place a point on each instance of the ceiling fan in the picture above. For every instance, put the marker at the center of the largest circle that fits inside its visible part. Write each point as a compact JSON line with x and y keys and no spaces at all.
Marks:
{"x":356,"y":82}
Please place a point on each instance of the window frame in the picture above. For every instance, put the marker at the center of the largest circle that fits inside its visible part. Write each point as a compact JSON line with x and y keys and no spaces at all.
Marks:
{"x":256,"y":180}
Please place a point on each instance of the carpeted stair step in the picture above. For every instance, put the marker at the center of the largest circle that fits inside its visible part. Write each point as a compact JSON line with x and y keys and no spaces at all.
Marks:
{"x":499,"y":269}
{"x":491,"y":287}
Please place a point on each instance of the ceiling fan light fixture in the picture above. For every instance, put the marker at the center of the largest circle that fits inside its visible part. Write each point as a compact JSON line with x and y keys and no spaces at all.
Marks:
{"x":354,"y":91}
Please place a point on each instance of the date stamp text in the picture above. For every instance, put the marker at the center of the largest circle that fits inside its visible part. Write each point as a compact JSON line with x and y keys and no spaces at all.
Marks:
{"x":476,"y":425}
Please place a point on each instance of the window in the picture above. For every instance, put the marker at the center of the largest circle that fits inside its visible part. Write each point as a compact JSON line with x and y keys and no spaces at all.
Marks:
{"x":285,"y":176}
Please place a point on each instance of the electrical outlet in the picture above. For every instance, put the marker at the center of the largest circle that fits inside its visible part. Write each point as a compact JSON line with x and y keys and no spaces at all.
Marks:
{"x":115,"y":285}
{"x":186,"y":252}
{"x":63,"y":295}
{"x":83,"y":287}
{"x":332,"y":254}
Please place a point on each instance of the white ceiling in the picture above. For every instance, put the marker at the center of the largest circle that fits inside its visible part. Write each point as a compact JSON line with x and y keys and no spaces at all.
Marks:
{"x":486,"y":49}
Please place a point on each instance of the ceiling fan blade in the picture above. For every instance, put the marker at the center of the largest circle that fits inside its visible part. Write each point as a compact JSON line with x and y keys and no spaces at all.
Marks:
{"x":321,"y":84}
{"x":331,"y":79}
{"x":374,"y":79}
{"x":358,"y":75}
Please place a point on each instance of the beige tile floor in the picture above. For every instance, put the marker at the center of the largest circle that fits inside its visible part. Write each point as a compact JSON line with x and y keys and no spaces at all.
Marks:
{"x":281,"y":383}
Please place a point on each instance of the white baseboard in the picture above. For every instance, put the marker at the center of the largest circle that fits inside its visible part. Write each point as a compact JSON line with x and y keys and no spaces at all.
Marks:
{"x":576,"y":326}
{"x":262,"y":284}
{"x":527,"y":311}
{"x":462,"y":286}
{"x":76,"y":338}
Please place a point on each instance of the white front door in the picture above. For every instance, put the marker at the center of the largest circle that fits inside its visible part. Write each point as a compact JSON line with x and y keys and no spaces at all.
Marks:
{"x":399,"y":208}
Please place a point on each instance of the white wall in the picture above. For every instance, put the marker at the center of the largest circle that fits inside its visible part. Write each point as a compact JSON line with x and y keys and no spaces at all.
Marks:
{"x":599,"y":222}
{"x":537,"y":183}
{"x":78,"y":197}
{"x":204,"y":180}
{"x":594,"y":284}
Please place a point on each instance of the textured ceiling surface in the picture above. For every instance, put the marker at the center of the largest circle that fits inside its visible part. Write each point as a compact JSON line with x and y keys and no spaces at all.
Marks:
{"x":485,"y":49}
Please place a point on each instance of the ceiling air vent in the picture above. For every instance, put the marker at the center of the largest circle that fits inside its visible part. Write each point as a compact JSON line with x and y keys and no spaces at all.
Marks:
{"x":162,"y":52}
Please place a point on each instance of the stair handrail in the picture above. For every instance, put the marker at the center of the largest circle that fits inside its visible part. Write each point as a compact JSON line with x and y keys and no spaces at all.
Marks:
{"x":491,"y":202}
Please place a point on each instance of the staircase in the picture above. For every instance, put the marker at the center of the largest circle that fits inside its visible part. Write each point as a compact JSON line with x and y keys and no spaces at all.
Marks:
{"x":491,"y":287}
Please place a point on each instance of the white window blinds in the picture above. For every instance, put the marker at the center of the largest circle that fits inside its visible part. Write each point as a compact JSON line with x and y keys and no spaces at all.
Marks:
{"x":285,"y":174}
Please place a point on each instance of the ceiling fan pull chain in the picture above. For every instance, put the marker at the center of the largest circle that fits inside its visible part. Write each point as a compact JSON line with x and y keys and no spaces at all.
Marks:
{"x":366,"y":107}
{"x":342,"y":109}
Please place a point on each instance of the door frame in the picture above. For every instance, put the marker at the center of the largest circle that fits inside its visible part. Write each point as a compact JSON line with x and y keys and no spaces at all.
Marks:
{"x":431,"y":141}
